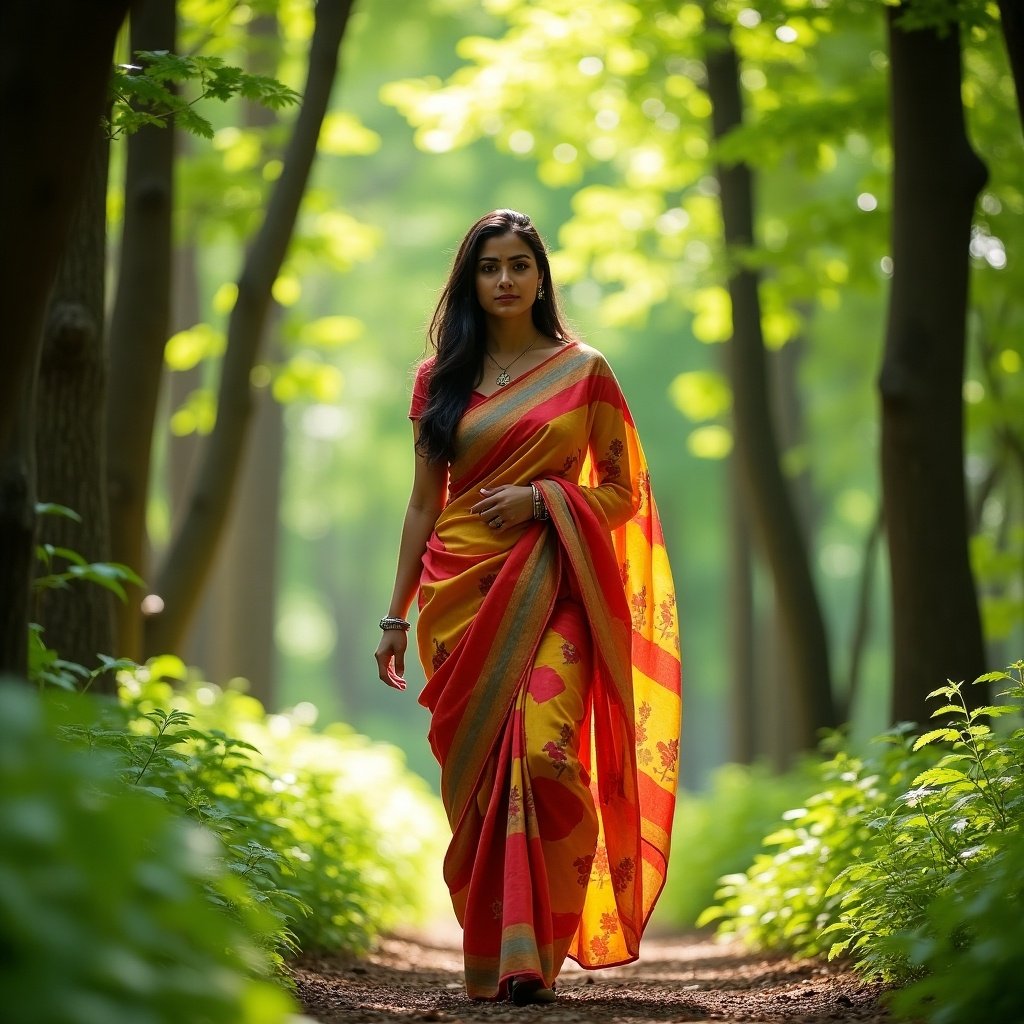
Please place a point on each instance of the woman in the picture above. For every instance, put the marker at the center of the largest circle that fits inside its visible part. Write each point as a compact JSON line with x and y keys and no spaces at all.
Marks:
{"x":547,"y":627}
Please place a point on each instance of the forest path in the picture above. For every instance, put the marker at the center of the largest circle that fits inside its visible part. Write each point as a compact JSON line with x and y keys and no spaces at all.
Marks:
{"x":418,"y":977}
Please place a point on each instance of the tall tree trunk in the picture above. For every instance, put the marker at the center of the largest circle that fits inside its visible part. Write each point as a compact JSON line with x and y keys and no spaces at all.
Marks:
{"x":768,"y":499}
{"x":241,"y":599}
{"x":243,"y":606}
{"x":191,"y":554}
{"x":139,"y":326}
{"x":746,"y":697}
{"x":55,"y":60}
{"x":70,"y":448}
{"x":936,"y":179}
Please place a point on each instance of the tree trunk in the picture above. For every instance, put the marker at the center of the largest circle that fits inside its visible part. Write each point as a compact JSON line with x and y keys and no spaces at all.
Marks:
{"x":936,"y":179}
{"x":55,"y":62}
{"x":139,"y":326}
{"x":769,"y":503}
{"x":1011,"y":13}
{"x":241,"y":599}
{"x":70,"y":449}
{"x":746,"y":698}
{"x":243,"y":608}
{"x":191,"y":554}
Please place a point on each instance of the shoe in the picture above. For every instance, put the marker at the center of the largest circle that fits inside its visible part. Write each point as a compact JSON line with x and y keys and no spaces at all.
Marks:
{"x":527,"y":990}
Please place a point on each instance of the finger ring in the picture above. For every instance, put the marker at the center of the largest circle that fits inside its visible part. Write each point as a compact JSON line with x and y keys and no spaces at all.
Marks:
{"x":497,"y":522}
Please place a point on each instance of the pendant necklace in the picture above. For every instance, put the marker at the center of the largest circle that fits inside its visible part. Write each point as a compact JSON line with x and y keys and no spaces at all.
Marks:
{"x":503,"y":379}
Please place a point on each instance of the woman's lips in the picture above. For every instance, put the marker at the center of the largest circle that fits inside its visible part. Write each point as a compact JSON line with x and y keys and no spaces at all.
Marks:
{"x":507,"y":298}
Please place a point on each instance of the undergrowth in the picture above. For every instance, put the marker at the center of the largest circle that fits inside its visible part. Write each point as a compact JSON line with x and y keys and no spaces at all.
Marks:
{"x":909,"y":860}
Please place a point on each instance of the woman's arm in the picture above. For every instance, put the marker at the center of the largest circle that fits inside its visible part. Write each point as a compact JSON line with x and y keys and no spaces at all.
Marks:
{"x":430,"y":481}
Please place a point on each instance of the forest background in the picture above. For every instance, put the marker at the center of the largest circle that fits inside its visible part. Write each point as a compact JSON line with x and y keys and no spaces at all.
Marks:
{"x":602,"y":121}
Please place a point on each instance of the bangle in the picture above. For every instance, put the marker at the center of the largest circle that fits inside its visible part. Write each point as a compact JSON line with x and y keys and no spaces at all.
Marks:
{"x":540,"y":510}
{"x":393,"y":622}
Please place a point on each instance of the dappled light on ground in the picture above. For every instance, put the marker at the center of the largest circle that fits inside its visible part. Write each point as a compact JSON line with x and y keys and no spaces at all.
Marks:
{"x":418,"y":976}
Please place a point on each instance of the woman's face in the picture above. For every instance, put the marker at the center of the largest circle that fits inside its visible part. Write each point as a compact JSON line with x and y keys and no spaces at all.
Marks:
{"x":507,"y":276}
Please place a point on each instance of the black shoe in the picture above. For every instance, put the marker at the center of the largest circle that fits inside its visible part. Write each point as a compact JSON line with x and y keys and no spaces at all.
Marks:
{"x":528,"y":990}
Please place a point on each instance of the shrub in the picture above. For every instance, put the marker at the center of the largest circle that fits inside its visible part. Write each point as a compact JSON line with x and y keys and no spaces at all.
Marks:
{"x":911,"y":861}
{"x":931,"y":864}
{"x":104,"y":917}
{"x":720,"y":831}
{"x":786,"y":899}
{"x":330,"y":830}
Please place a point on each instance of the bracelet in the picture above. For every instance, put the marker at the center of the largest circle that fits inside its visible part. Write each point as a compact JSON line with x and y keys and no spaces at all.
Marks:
{"x":540,"y":510}
{"x":393,"y":622}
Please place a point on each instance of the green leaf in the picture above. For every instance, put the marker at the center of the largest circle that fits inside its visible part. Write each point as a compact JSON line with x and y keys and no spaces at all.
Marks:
{"x":949,"y":735}
{"x":940,"y":777}
{"x":50,"y":508}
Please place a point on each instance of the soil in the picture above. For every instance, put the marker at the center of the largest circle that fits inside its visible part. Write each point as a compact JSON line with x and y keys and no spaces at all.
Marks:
{"x":418,"y":977}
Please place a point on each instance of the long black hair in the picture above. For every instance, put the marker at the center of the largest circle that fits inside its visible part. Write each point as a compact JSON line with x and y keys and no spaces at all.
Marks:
{"x":457,"y":330}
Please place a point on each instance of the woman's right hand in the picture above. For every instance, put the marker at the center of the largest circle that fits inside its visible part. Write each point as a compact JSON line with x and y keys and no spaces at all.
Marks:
{"x":392,"y":648}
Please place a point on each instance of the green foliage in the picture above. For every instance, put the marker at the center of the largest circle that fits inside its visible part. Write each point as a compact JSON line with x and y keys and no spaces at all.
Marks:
{"x":720,"y":831}
{"x":912,"y":862}
{"x":934,"y":836}
{"x":148,"y":93}
{"x":786,"y":899}
{"x":104,"y":892}
{"x":331,"y":833}
{"x":971,"y":946}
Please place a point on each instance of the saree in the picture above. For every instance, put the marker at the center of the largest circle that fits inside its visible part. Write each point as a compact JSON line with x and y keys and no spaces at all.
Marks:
{"x":551,"y":651}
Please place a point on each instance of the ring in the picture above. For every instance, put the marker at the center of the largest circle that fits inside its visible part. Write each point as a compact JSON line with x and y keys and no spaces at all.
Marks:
{"x":497,"y":522}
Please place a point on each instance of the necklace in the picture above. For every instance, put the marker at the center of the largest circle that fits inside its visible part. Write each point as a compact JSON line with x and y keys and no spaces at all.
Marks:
{"x":503,"y":379}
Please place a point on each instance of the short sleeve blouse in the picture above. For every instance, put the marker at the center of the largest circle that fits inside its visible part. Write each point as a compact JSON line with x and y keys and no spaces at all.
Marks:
{"x":420,"y":388}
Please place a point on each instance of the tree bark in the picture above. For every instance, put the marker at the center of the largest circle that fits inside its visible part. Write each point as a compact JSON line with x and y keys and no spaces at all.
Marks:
{"x":189,"y":559}
{"x":936,"y":179}
{"x":241,"y":600}
{"x":744,"y":670}
{"x":242,"y":605}
{"x":70,"y":449}
{"x":769,"y":503}
{"x":55,"y":62}
{"x":139,"y":326}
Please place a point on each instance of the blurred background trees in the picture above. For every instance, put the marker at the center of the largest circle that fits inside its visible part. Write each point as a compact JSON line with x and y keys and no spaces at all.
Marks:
{"x":718,"y":183}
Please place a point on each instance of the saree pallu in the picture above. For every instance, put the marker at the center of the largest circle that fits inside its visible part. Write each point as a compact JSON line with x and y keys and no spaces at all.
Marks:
{"x":553,"y":680}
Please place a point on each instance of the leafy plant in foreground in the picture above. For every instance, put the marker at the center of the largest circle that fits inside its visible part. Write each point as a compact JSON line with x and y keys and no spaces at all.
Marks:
{"x":786,"y":900}
{"x":937,"y":835}
{"x":103,"y":915}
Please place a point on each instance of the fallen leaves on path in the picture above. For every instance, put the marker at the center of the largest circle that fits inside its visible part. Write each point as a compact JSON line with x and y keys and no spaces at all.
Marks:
{"x":678,"y":979}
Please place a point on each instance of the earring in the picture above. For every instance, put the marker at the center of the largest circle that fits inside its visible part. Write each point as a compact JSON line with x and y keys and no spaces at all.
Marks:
{"x":540,"y":293}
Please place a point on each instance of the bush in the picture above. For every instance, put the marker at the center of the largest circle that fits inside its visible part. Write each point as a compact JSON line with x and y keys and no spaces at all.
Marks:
{"x":720,"y":831}
{"x":104,"y":916}
{"x":786,"y":899}
{"x":911,"y":861}
{"x":945,"y":845}
{"x":331,"y":831}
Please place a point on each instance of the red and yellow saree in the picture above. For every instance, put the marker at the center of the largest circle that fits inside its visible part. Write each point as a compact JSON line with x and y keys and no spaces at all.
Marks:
{"x":552,"y":659}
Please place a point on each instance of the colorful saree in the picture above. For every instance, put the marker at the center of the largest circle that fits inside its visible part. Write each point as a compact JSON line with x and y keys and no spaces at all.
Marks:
{"x":552,"y":658}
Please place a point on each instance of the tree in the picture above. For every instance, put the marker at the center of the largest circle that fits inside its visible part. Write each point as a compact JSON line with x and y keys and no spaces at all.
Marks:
{"x":140,"y":322}
{"x":39,"y":187}
{"x":936,"y":179}
{"x":187,"y":562}
{"x":769,"y":500}
{"x":70,"y":453}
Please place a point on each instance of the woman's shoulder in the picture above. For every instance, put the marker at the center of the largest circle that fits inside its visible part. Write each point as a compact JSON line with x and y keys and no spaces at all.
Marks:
{"x":592,"y":358}
{"x":424,"y":367}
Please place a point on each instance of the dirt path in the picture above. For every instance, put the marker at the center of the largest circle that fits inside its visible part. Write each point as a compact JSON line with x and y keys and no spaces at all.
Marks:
{"x":679,"y":979}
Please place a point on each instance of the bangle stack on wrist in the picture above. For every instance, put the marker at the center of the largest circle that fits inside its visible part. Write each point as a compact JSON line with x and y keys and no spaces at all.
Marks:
{"x":540,"y":510}
{"x":394,"y":622}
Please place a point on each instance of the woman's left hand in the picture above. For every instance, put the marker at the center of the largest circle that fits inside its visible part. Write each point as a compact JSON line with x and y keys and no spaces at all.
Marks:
{"x":504,"y":506}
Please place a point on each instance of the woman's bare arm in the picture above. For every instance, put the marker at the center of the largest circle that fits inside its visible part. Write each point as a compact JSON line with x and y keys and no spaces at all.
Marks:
{"x":430,"y":482}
